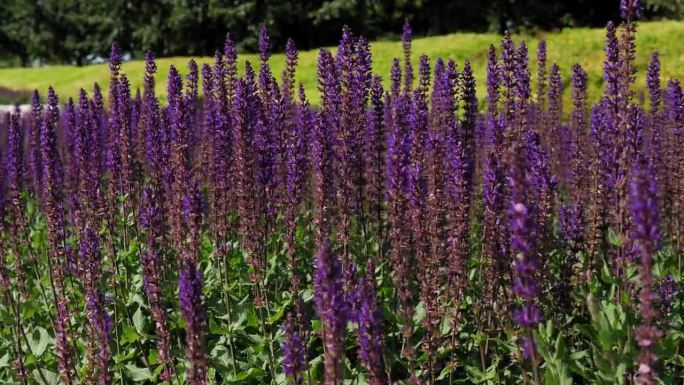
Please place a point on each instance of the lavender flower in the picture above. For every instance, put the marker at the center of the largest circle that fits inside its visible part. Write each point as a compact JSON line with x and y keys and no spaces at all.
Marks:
{"x":100,"y":322}
{"x":571,"y":225}
{"x":553,"y":121}
{"x":231,"y":66}
{"x":190,"y":295}
{"x":397,"y":166}
{"x":525,"y":266}
{"x":467,"y":137}
{"x":580,"y":181}
{"x":395,"y":78}
{"x":114,"y":70}
{"x":653,"y":82}
{"x":507,"y":70}
{"x":219,"y":154}
{"x":295,"y":178}
{"x":243,"y":159}
{"x":674,"y":105}
{"x":56,"y":223}
{"x":541,"y":73}
{"x":322,"y":150}
{"x":458,"y":194}
{"x":542,"y":197}
{"x":611,"y":66}
{"x":15,"y":154}
{"x":100,"y":129}
{"x":370,"y":329}
{"x":668,"y":291}
{"x":264,"y":44}
{"x":522,"y":92}
{"x":493,"y":81}
{"x":375,"y":143}
{"x":352,"y":70}
{"x":494,"y":192}
{"x":630,"y":9}
{"x":186,"y":218}
{"x":331,"y":307}
{"x":294,"y":354}
{"x":654,"y":88}
{"x":14,"y":179}
{"x":644,"y":210}
{"x":291,"y":58}
{"x":71,"y":136}
{"x":33,"y":146}
{"x":84,"y":150}
{"x":150,"y":123}
{"x":152,"y":221}
{"x":600,"y":167}
{"x":406,"y":37}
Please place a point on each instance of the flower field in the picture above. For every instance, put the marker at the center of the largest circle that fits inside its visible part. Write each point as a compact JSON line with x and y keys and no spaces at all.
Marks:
{"x":396,"y":231}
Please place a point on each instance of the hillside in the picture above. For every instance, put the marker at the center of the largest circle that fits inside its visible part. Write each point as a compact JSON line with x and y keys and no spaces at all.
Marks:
{"x":566,"y":47}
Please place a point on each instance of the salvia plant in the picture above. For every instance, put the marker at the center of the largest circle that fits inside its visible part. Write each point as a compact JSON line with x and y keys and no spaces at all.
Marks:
{"x":240,"y":234}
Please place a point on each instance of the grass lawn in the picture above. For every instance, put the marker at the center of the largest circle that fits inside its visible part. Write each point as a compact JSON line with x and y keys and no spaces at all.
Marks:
{"x":565,"y":48}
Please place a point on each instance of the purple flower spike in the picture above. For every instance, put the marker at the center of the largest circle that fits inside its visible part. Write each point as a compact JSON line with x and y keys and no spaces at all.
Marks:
{"x":33,"y":146}
{"x":395,"y":78}
{"x":630,"y":9}
{"x":653,"y":81}
{"x":115,"y":59}
{"x":294,"y":354}
{"x":370,"y":329}
{"x":611,"y":65}
{"x":645,"y":233}
{"x":541,"y":72}
{"x":264,"y":44}
{"x":190,"y":296}
{"x":654,"y":143}
{"x":522,"y":229}
{"x":493,"y":81}
{"x":151,"y":260}
{"x":14,"y":172}
{"x":100,"y":321}
{"x":291,"y":58}
{"x":56,"y":222}
{"x":150,"y":70}
{"x":529,"y":346}
{"x":406,"y":37}
{"x":331,"y":307}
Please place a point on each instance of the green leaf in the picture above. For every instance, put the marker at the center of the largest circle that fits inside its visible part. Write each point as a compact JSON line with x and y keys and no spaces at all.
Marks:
{"x":50,"y":377}
{"x":138,"y":320}
{"x":419,"y":313}
{"x":137,"y":374}
{"x":218,"y":329}
{"x":39,"y":341}
{"x":606,"y":275}
{"x":614,"y":238}
{"x":278,"y":314}
{"x":152,"y":357}
{"x":119,"y":358}
{"x":129,"y":334}
{"x":4,"y":361}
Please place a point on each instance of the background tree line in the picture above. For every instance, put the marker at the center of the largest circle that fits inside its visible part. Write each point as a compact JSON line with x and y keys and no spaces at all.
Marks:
{"x":80,"y":31}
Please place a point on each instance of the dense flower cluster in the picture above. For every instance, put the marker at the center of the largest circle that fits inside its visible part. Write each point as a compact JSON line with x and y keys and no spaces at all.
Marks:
{"x":387,"y":230}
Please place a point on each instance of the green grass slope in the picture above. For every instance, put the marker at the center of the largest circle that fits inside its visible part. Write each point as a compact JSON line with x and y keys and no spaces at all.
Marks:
{"x":578,"y":45}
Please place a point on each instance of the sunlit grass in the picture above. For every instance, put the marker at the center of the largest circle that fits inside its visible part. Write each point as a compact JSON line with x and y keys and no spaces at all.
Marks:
{"x":578,"y":45}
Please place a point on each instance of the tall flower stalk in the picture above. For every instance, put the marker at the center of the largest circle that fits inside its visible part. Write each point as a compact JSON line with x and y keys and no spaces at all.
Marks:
{"x":56,"y":253}
{"x":332,"y":309}
{"x":525,"y":266}
{"x":645,"y":233}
